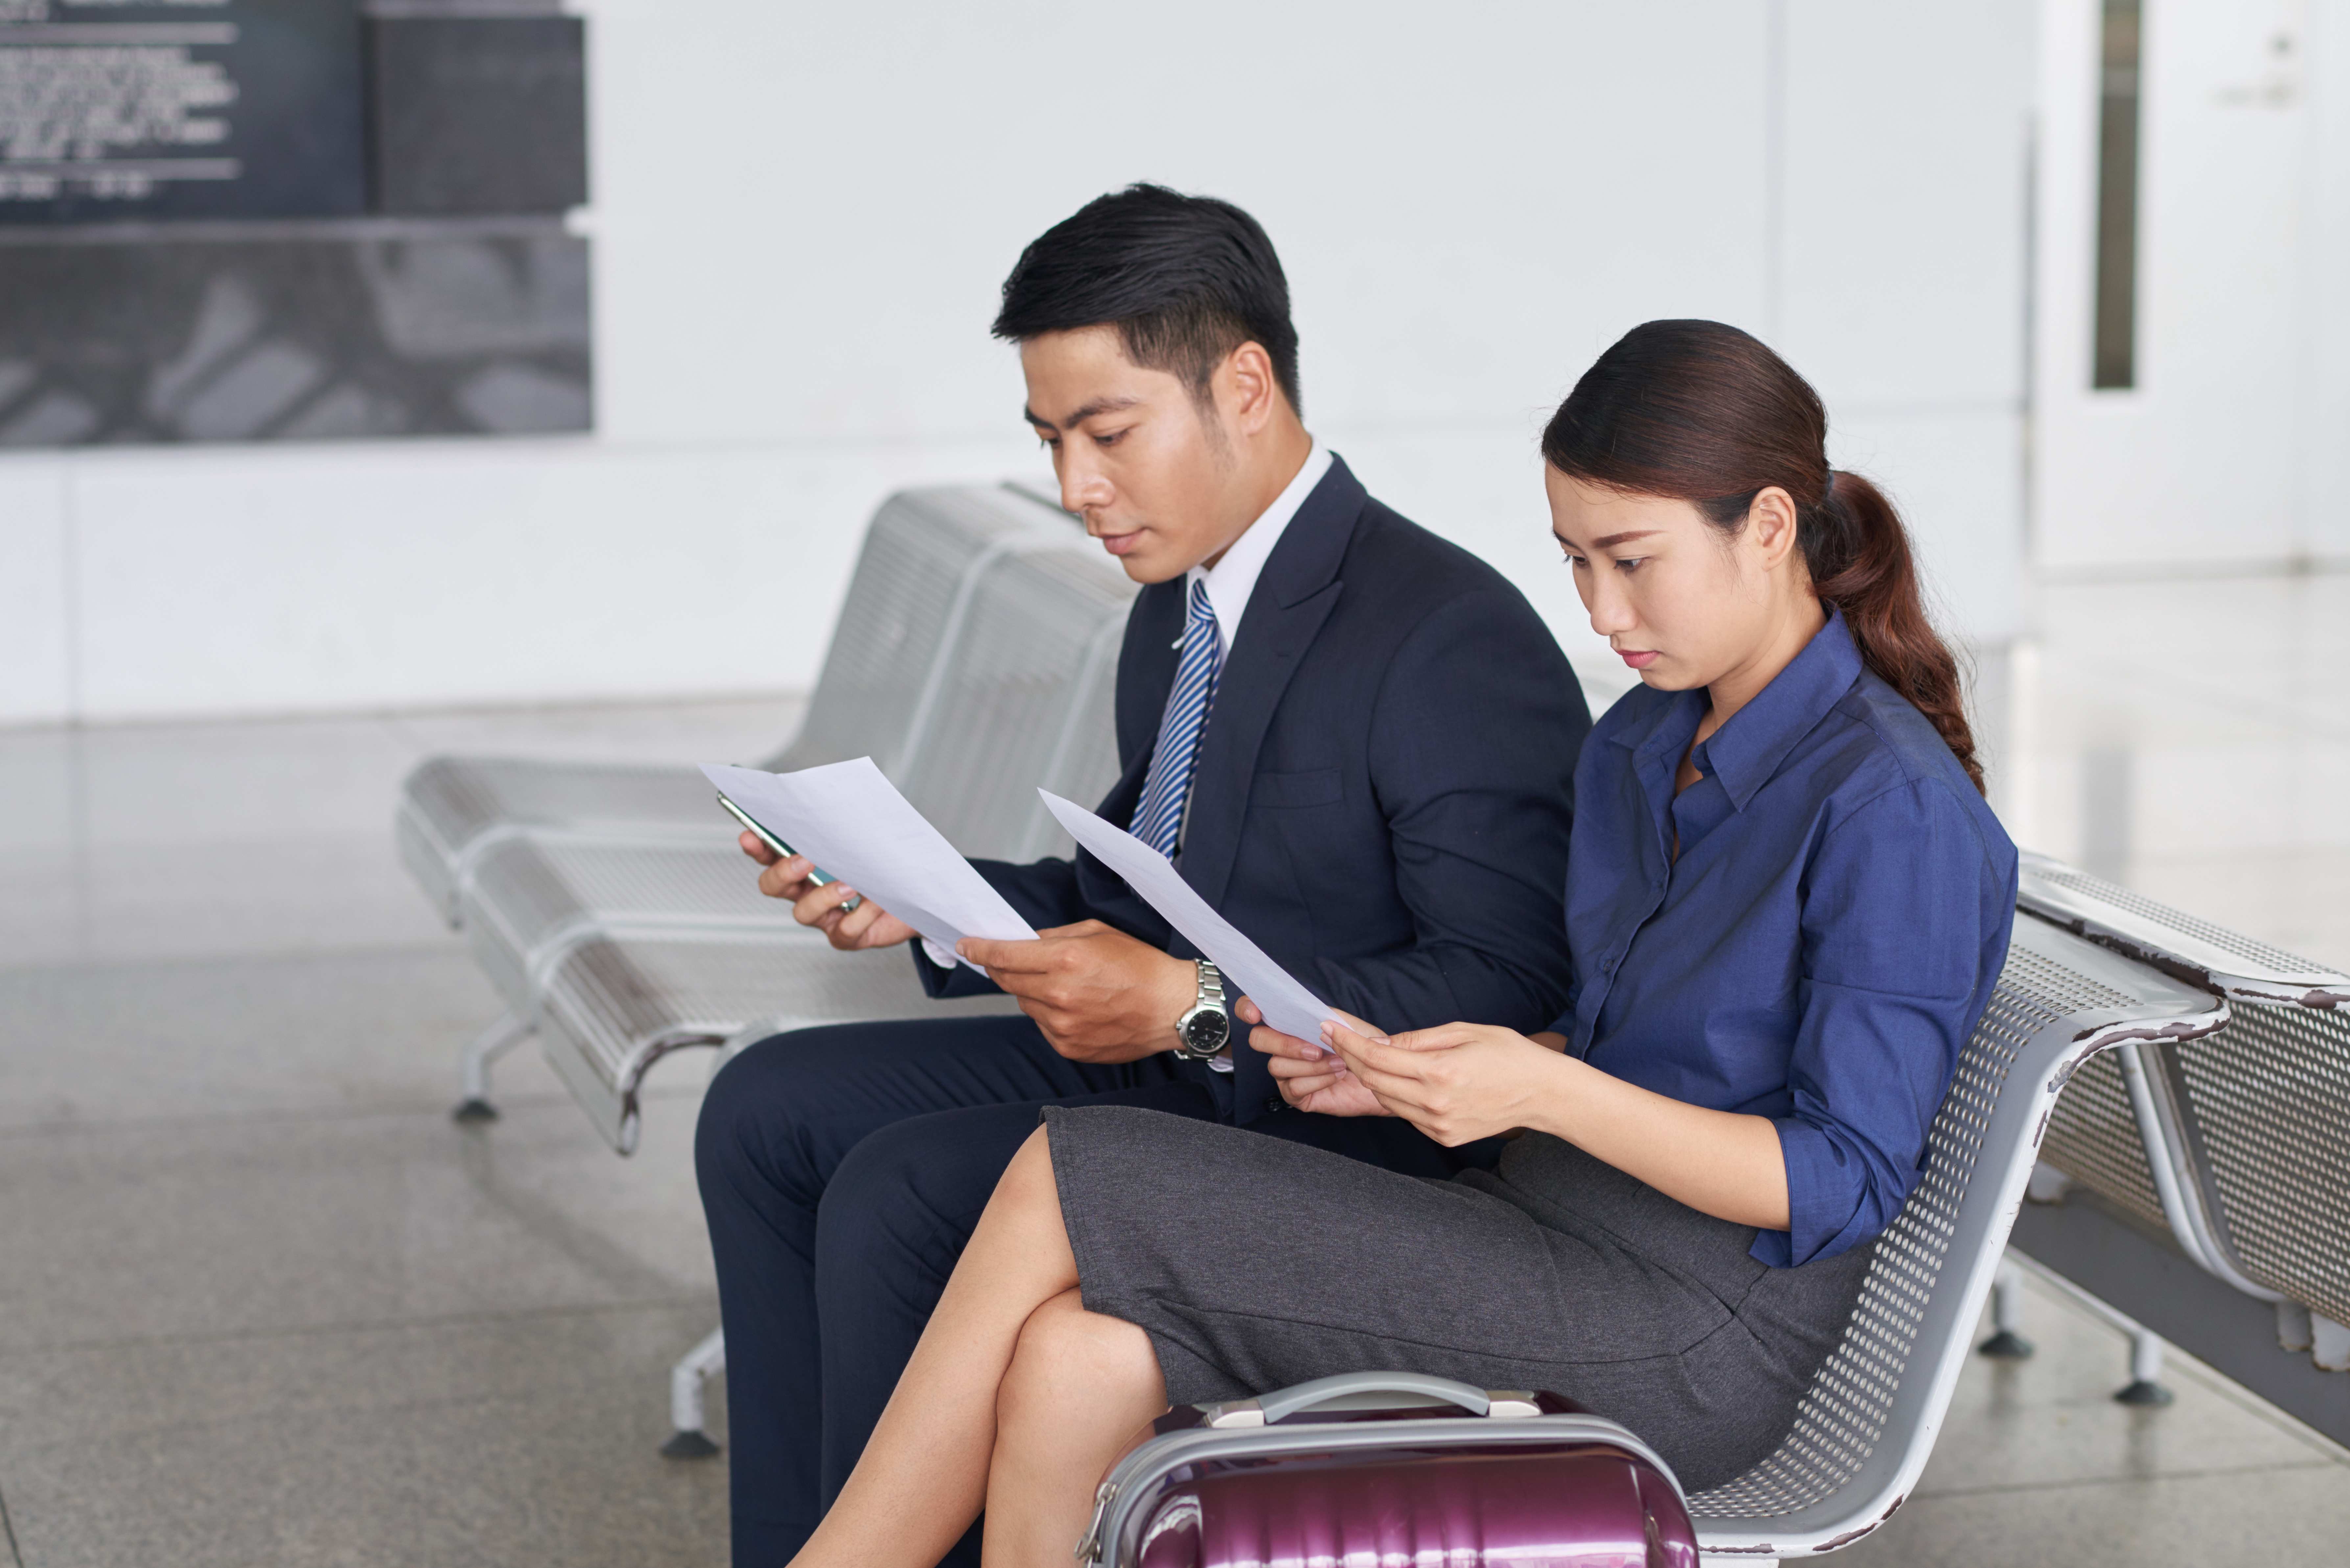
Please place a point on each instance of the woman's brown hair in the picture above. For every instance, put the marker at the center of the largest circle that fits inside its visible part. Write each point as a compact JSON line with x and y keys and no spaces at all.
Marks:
{"x":1704,"y":413}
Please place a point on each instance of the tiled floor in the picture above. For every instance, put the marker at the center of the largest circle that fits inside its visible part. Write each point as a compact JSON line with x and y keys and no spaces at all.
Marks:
{"x":2037,"y":1464}
{"x":261,"y":1302}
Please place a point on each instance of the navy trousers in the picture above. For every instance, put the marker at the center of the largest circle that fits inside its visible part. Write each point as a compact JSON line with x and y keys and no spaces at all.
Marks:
{"x":842,"y":1170}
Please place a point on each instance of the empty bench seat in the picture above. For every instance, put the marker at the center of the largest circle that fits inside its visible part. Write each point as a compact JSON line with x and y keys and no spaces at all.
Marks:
{"x":922,"y":552}
{"x":1017,"y":694}
{"x":2237,"y":1144}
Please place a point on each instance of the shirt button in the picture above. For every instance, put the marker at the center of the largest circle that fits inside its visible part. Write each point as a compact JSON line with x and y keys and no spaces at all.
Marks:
{"x":1607,"y":966}
{"x":1275,"y":1104}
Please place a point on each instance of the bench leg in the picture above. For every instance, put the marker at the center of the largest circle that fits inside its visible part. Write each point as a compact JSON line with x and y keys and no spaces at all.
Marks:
{"x":2329,"y":1343}
{"x":700,"y":1364}
{"x":2006,"y":1312}
{"x":2145,"y":1371}
{"x":2294,"y":1329}
{"x":480,"y":1051}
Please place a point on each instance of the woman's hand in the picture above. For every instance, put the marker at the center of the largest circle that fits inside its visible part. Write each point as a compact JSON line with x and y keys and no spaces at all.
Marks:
{"x":1457,"y":1083}
{"x":1309,"y":1077}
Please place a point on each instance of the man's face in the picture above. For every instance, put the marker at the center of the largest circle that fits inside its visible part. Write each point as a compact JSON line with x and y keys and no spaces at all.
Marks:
{"x":1152,"y":474}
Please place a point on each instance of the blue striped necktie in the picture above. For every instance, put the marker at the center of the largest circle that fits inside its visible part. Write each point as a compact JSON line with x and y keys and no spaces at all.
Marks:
{"x":1158,"y":820}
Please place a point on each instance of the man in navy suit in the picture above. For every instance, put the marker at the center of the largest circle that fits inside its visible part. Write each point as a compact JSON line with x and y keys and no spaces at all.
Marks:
{"x":1354,"y":738}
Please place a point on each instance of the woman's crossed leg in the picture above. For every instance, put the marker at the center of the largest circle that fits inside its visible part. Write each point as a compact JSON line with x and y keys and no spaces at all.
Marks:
{"x":1016,"y":1399}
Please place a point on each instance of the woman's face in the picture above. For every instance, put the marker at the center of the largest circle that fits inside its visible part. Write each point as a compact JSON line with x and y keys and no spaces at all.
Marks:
{"x":1680,"y":600}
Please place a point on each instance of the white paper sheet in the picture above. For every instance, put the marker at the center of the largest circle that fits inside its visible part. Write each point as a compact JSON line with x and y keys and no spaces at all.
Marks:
{"x":851,"y":821}
{"x":1287,"y":1004}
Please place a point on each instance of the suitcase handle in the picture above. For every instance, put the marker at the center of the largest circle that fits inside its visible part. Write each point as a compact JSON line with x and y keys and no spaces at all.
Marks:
{"x":1268,"y":1408}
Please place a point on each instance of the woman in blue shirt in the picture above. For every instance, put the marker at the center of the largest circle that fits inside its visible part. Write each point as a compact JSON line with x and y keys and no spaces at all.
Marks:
{"x":1787,"y":906}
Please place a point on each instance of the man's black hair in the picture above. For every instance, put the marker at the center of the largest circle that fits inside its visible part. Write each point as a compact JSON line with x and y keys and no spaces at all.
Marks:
{"x":1184,"y":279}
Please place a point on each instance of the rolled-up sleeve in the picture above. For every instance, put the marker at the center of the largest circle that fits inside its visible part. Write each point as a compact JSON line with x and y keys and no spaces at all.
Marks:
{"x":1893,"y":944}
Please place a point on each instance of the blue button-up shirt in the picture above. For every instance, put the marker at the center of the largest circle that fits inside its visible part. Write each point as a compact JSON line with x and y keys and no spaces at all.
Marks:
{"x":1823,"y":945}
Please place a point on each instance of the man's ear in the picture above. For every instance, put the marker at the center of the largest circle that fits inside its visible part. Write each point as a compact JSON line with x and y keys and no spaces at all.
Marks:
{"x":1246,"y":391}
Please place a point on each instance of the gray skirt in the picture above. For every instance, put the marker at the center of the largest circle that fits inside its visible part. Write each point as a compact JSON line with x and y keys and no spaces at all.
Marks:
{"x":1254,"y":1263}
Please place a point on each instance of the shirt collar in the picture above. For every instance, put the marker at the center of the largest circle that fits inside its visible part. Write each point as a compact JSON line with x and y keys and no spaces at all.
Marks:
{"x":1233,"y":577}
{"x":1744,"y":753}
{"x":1749,"y":749}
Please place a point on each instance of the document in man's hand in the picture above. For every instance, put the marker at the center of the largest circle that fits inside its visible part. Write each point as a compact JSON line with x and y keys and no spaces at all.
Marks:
{"x":1287,"y":1004}
{"x":851,"y":819}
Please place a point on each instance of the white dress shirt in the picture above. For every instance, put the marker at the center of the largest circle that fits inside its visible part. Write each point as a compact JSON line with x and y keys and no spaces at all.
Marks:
{"x":1233,"y":576}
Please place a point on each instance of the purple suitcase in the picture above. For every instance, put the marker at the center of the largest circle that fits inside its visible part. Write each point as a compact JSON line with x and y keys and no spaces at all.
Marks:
{"x":1390,"y":1468}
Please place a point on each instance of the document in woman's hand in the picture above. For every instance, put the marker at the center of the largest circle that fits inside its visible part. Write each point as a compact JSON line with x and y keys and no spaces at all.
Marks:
{"x":1285,"y":1002}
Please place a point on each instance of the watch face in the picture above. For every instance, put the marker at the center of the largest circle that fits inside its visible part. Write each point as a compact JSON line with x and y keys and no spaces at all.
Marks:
{"x":1207,"y":1031}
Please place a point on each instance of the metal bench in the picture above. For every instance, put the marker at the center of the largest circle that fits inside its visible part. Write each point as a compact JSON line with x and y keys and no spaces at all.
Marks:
{"x":1865,"y":1430}
{"x":922,"y":552}
{"x":618,"y":941}
{"x":2238,"y":1146}
{"x":582,"y":932}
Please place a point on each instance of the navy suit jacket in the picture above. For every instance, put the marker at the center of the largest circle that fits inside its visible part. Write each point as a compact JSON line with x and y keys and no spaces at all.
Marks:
{"x":1383,"y":790}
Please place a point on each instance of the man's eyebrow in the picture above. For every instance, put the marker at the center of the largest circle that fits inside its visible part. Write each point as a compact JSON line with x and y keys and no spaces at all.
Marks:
{"x":1098,"y":406}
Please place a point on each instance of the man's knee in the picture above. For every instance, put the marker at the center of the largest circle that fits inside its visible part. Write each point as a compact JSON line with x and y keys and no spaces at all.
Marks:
{"x":753,"y":1113}
{"x":907,"y":1197}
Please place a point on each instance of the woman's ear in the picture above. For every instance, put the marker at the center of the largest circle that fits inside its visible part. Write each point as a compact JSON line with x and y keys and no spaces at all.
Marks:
{"x":1770,"y":526}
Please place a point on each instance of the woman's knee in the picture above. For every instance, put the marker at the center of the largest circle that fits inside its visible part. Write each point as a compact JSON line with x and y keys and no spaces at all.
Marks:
{"x":1067,"y":1354}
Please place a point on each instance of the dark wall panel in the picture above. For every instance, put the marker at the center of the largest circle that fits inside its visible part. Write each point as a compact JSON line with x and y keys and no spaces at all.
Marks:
{"x":191,"y":249}
{"x":478,"y":114}
{"x":207,"y":109}
{"x":321,"y":338}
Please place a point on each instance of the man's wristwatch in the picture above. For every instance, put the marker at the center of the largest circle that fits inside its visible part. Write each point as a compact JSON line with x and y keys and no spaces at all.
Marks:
{"x":1206,"y":1028}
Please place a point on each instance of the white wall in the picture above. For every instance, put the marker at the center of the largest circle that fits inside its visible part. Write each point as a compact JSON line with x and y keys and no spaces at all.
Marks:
{"x":802,"y":216}
{"x":2225,"y":455}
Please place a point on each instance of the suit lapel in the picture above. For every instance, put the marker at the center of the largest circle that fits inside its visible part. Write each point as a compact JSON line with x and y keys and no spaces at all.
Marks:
{"x":1145,"y":669}
{"x":1294,"y":595}
{"x":1146,"y":673}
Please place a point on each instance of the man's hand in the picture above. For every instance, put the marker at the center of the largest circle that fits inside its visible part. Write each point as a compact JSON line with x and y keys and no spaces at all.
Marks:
{"x":851,"y":931}
{"x":1460,"y":1082}
{"x":1099,"y":994}
{"x":1309,"y":1077}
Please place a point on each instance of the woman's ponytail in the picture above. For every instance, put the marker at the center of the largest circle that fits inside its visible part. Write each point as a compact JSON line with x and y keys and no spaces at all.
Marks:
{"x":1861,"y":562}
{"x":1707,"y":414}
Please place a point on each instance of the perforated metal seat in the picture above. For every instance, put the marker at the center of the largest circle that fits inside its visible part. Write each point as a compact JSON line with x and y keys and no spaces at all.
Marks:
{"x":1021,"y":697}
{"x":533,"y":897}
{"x":2264,"y":1115}
{"x":1024,"y":699}
{"x":922,"y":550}
{"x":1863,"y":1433}
{"x":616,"y":1005}
{"x":2239,"y":1145}
{"x":2243,"y":968}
